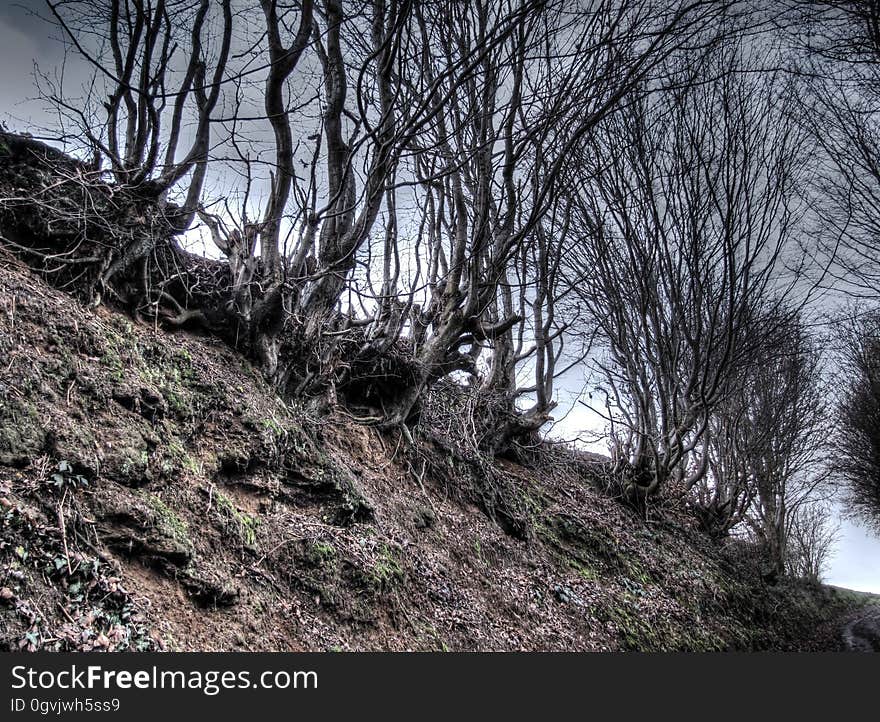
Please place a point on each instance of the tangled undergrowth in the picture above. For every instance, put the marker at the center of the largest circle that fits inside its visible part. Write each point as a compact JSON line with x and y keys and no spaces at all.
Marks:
{"x":118,"y":245}
{"x":61,"y":592}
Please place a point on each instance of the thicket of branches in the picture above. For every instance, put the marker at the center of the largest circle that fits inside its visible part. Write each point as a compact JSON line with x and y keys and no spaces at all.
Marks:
{"x":467,"y":202}
{"x":382,"y":179}
{"x":857,"y":439}
{"x":681,"y":221}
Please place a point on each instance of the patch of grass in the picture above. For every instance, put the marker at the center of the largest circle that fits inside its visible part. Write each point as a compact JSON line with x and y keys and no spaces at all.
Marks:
{"x":435,"y":641}
{"x":852,"y":596}
{"x":590,"y":546}
{"x":635,"y":571}
{"x":478,"y":549}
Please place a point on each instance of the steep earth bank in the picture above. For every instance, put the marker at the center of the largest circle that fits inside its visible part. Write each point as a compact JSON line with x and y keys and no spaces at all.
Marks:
{"x":155,"y":494}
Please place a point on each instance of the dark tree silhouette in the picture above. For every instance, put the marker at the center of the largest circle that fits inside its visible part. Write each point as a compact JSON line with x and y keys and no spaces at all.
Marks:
{"x":857,"y":439}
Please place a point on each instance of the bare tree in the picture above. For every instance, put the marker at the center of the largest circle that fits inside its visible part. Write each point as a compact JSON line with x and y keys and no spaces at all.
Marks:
{"x":766,"y":443}
{"x":784,"y":430}
{"x":154,"y":72}
{"x":687,"y":202}
{"x":857,"y":437}
{"x":469,"y":114}
{"x":812,"y":537}
{"x":835,"y":45}
{"x":490,"y":167}
{"x":767,"y":450}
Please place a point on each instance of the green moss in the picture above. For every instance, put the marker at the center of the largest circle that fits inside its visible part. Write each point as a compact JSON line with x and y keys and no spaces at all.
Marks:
{"x":177,"y":404}
{"x":174,"y":457}
{"x":592,"y":547}
{"x":192,"y":465}
{"x":172,"y":374}
{"x":320,"y":553}
{"x":274,"y":429}
{"x":640,"y":633}
{"x":21,"y":432}
{"x":135,"y":464}
{"x":183,"y":358}
{"x":168,"y":523}
{"x":116,"y":373}
{"x":583,"y":570}
{"x":243,"y":525}
{"x":176,"y":449}
{"x":387,"y":571}
{"x":115,"y":346}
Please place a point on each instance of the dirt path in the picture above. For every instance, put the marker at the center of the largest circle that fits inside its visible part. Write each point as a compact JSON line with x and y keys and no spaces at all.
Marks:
{"x":861,"y":631}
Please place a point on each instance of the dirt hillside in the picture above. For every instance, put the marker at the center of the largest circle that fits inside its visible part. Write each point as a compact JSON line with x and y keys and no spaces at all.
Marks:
{"x":157,"y":495}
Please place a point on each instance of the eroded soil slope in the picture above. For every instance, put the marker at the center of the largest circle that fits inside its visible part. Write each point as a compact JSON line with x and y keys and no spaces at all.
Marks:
{"x":155,"y":494}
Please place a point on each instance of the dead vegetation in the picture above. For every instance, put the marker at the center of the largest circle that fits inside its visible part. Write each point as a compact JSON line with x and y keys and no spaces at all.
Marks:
{"x":156,"y":494}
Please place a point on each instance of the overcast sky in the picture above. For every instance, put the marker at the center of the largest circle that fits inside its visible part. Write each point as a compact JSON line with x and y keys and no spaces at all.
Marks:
{"x":24,"y":40}
{"x":21,"y":41}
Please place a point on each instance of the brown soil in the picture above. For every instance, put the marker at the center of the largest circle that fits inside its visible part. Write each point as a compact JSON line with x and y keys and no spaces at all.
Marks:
{"x":156,"y":494}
